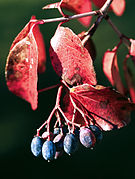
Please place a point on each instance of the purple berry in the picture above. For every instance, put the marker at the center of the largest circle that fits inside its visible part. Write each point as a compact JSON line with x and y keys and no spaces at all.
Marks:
{"x":87,"y":138}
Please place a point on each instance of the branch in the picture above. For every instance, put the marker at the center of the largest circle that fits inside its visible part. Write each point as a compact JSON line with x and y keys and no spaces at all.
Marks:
{"x":77,"y":16}
{"x":124,"y":38}
{"x":102,"y":11}
{"x":105,"y":7}
{"x":92,"y":30}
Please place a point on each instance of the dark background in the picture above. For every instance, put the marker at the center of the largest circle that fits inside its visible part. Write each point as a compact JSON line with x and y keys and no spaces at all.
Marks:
{"x":113,"y":158}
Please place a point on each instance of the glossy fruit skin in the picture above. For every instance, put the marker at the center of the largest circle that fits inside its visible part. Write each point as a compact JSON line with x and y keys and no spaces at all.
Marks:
{"x":48,"y":150}
{"x":77,"y":132}
{"x":87,"y":138}
{"x":70,"y":143}
{"x":58,"y":154}
{"x":58,"y":141}
{"x":97,"y":132}
{"x":56,"y":131}
{"x":36,"y":146}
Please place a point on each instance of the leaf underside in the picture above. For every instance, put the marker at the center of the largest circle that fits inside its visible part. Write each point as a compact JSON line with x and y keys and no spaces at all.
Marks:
{"x":106,"y":107}
{"x":70,"y":59}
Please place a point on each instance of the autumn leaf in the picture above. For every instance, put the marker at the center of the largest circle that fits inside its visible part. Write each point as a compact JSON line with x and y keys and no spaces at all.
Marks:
{"x":76,"y":6}
{"x":108,"y":108}
{"x":111,"y":69}
{"x":39,"y":41}
{"x":129,"y":79}
{"x":22,"y":64}
{"x":132,"y":49}
{"x":41,"y":48}
{"x":88,"y":44}
{"x":68,"y":110}
{"x":118,"y":6}
{"x":70,"y":59}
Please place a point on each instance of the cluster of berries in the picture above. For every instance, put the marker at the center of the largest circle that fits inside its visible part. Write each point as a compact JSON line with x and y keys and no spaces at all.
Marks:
{"x":63,"y":140}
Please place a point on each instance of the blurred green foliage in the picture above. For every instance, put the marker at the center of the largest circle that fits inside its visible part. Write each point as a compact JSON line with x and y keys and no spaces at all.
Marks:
{"x":113,"y":158}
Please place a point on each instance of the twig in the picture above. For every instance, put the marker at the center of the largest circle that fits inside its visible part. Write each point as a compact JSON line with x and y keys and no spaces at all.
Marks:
{"x":48,"y":88}
{"x":102,"y":11}
{"x":77,"y":16}
{"x":102,"y":15}
{"x":117,"y":31}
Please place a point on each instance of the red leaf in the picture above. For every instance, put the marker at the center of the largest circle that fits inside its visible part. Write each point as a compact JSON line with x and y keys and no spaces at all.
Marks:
{"x":41,"y":48}
{"x":118,"y":6}
{"x":88,"y":44}
{"x":129,"y":80}
{"x":109,"y":108}
{"x":68,"y":110}
{"x":70,"y":59}
{"x":22,"y":63}
{"x":132,"y":49}
{"x":39,"y":40}
{"x":111,"y":69}
{"x":76,"y":6}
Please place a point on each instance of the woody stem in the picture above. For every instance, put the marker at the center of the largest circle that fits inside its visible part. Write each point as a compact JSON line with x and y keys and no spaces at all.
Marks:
{"x":102,"y":11}
{"x":117,"y":31}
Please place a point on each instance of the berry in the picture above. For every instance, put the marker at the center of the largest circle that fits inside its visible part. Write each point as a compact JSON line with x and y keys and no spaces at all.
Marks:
{"x":87,"y":138}
{"x":58,"y":141}
{"x":46,"y":134}
{"x":56,"y":131}
{"x":48,"y":150}
{"x":97,"y":132}
{"x":70,"y":143}
{"x":65,"y":129}
{"x":77,"y":131}
{"x":36,"y":146}
{"x":58,"y":154}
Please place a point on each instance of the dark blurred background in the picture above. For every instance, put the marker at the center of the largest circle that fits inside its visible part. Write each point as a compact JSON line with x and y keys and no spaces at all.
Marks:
{"x":113,"y":158}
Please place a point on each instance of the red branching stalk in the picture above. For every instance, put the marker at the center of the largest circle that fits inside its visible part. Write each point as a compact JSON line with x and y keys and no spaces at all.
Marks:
{"x":56,"y":109}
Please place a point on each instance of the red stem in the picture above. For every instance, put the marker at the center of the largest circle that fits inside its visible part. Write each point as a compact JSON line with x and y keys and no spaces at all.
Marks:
{"x":48,"y":88}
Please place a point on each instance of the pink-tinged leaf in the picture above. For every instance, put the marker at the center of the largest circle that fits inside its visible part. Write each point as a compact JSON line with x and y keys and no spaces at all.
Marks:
{"x":111,"y":69}
{"x":129,"y":80}
{"x":76,"y":6}
{"x":88,"y":44}
{"x":108,"y":108}
{"x":68,"y":110}
{"x":41,"y":47}
{"x":39,"y":40}
{"x":132,"y":49}
{"x":52,"y":6}
{"x":70,"y":59}
{"x":22,"y":64}
{"x":118,"y":6}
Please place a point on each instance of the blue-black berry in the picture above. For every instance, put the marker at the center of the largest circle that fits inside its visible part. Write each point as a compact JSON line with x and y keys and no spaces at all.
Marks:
{"x":56,"y":131}
{"x":48,"y":150}
{"x":58,"y":141}
{"x":97,"y":132}
{"x":70,"y":143}
{"x":36,"y":146}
